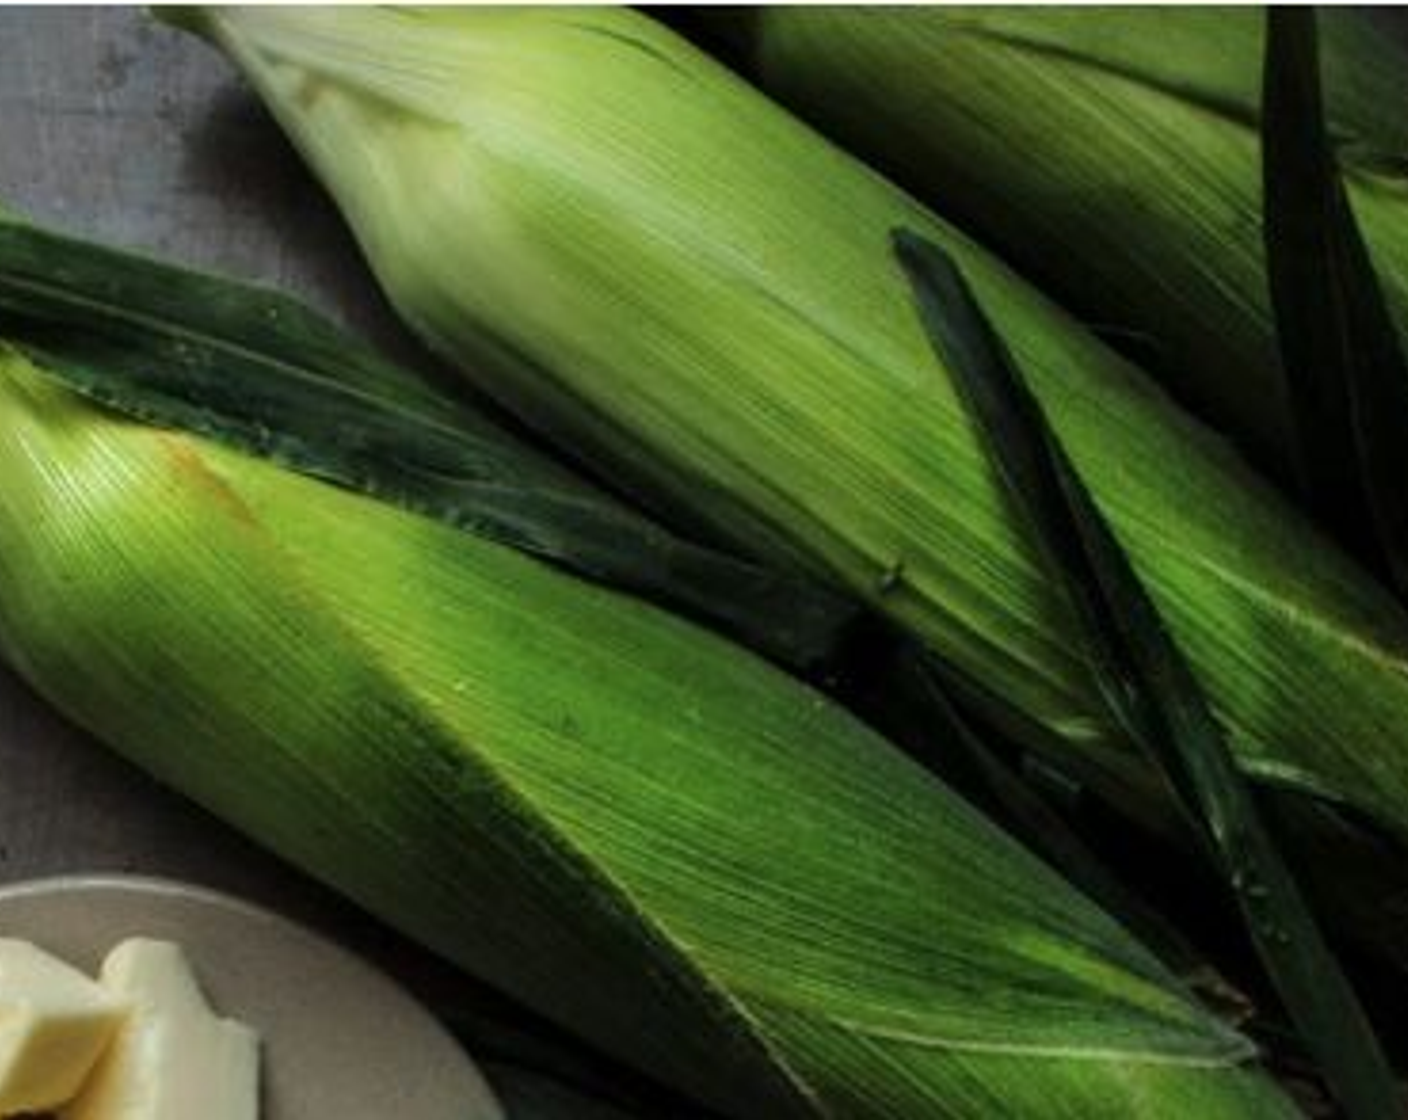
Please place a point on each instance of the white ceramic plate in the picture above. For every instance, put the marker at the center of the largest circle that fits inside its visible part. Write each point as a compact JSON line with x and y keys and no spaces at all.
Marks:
{"x":339,"y":1038}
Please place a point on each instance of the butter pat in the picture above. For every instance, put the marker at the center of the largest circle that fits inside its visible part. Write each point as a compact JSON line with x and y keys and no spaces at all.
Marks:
{"x":173,"y":1059}
{"x":54,"y":1026}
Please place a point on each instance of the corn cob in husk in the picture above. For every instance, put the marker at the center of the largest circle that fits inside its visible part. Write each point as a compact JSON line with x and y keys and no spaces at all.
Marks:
{"x":1113,"y":155}
{"x":637,"y":828}
{"x":692,"y":290}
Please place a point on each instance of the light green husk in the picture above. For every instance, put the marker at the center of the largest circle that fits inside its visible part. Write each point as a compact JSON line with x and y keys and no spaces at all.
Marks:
{"x":683,"y":284}
{"x":644,"y":832}
{"x":1113,"y":155}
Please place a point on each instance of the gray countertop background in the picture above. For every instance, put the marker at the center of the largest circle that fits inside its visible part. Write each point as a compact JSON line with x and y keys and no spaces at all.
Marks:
{"x":114,"y":126}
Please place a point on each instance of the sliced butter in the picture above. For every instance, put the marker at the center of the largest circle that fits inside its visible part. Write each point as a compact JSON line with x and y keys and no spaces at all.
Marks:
{"x":54,"y":1025}
{"x":173,"y":1059}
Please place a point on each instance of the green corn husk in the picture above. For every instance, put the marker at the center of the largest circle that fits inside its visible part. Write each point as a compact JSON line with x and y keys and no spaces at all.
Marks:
{"x":1111,"y":154}
{"x":691,"y":290}
{"x":653,"y":837}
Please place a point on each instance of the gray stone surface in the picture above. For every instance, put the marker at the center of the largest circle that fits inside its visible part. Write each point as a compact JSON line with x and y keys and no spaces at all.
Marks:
{"x":114,"y":126}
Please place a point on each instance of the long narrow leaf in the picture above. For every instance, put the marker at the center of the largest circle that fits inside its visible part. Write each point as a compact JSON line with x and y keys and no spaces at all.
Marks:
{"x":1148,"y":684}
{"x":1346,"y":380}
{"x":265,"y":374}
{"x":917,"y":705}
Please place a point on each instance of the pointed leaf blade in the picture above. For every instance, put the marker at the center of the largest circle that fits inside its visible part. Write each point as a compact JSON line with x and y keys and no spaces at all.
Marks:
{"x":1149,"y":684}
{"x":1346,"y":378}
{"x":265,"y":374}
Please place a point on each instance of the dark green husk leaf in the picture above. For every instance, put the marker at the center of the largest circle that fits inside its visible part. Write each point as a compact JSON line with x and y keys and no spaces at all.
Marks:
{"x":263,"y":373}
{"x":1345,"y":375}
{"x":916,"y":706}
{"x":1148,"y":685}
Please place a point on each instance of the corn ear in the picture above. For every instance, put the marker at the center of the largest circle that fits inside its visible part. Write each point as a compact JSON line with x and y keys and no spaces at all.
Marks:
{"x":689,"y":288}
{"x":635,"y":827}
{"x":1112,"y":155}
